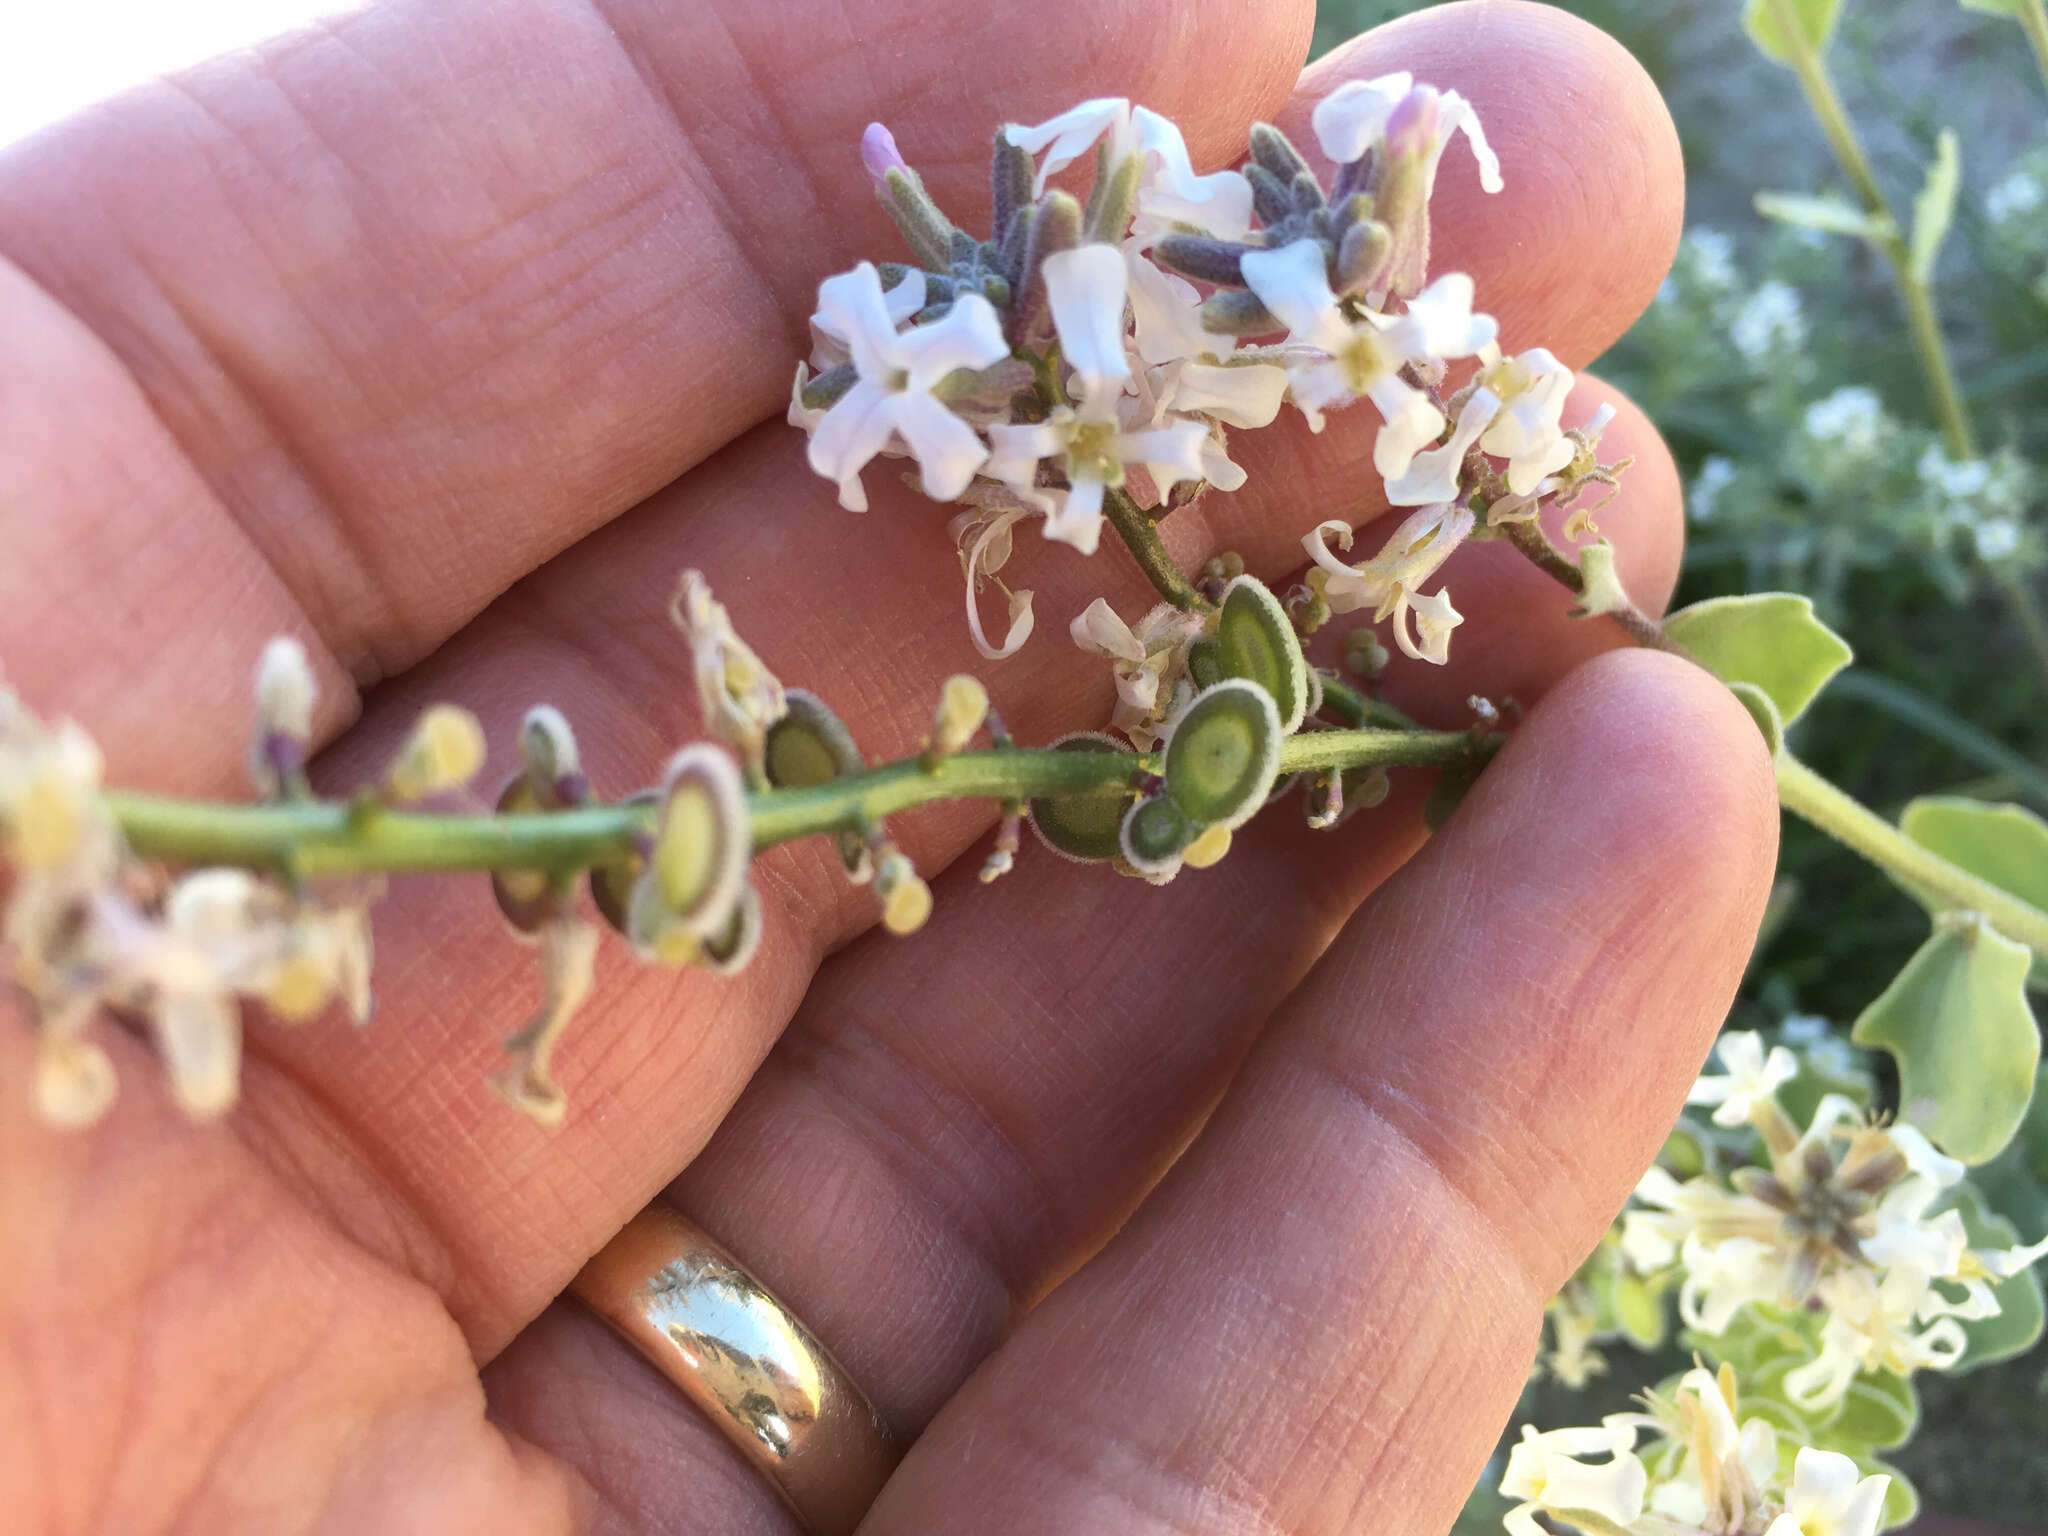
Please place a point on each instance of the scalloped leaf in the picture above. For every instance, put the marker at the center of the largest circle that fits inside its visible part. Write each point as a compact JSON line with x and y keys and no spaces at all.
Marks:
{"x":2006,"y":845}
{"x":1956,"y":1020}
{"x":1815,"y":19}
{"x":1879,"y":1412}
{"x":1770,"y":640}
{"x":1764,"y":712}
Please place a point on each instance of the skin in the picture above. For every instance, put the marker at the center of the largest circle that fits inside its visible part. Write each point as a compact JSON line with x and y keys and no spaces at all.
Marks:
{"x":443,"y":337}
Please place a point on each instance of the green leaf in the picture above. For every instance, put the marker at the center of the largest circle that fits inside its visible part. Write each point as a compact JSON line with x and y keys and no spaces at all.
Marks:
{"x":2018,"y":1325}
{"x":1083,"y":827}
{"x":2003,"y":845}
{"x":1255,"y":640}
{"x":1764,"y":712}
{"x":1879,"y":1412}
{"x":1814,"y":18}
{"x":1830,"y":215}
{"x":1956,"y":1020}
{"x":1639,"y":1309}
{"x":1901,"y":1499}
{"x":1223,"y":753}
{"x":1769,"y":639}
{"x":1934,"y":206}
{"x":1995,"y":7}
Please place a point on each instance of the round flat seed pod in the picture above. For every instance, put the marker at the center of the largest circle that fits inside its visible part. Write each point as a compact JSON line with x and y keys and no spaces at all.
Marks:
{"x":525,"y":896}
{"x":611,"y":885}
{"x":1083,"y":827}
{"x":1154,"y":835}
{"x":1223,"y":753}
{"x":727,"y":952}
{"x":808,"y":745}
{"x":702,"y":844}
{"x":1205,"y":662}
{"x":1256,"y":641}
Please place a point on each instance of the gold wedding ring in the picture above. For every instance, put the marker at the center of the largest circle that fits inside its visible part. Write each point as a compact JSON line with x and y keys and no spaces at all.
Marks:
{"x":743,"y":1358}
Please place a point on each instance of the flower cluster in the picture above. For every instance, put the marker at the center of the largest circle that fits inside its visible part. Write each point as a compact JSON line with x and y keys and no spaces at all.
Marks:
{"x":1845,"y":1222}
{"x":1705,"y":1472}
{"x":1088,"y":361}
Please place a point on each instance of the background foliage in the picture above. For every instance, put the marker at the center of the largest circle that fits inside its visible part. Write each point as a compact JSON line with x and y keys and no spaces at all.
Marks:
{"x":1776,"y":363}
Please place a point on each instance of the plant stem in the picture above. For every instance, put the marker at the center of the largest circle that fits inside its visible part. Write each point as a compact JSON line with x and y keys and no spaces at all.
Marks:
{"x":1807,"y":795}
{"x":320,"y":837}
{"x":1356,"y":708}
{"x":1142,"y":539}
{"x":1527,"y":535}
{"x":2033,"y":16}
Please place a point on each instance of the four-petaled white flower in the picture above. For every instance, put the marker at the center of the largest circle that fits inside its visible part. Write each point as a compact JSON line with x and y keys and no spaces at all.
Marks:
{"x":1830,"y":1499}
{"x":1751,"y":1075}
{"x":1547,"y":1474}
{"x":1514,"y":410}
{"x":1086,"y":288}
{"x":1387,"y":582}
{"x":1353,"y":119}
{"x":893,"y":395}
{"x":1169,"y":191}
{"x":1334,"y":358}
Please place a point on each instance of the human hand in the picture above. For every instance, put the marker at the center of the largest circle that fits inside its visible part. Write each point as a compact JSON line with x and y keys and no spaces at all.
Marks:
{"x":348,"y":338}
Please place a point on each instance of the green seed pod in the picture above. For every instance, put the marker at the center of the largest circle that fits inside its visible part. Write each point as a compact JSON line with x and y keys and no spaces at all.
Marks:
{"x":1223,"y":753}
{"x":1083,"y":827}
{"x":1154,"y":834}
{"x":810,"y":745}
{"x":1256,"y":641}
{"x":526,"y":897}
{"x":1205,"y":662}
{"x":611,"y":885}
{"x":729,"y":951}
{"x":701,"y":851}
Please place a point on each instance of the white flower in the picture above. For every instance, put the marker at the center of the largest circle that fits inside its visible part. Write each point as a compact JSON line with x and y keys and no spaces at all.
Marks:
{"x":1166,"y":314}
{"x":1387,"y":582}
{"x":983,"y":536}
{"x":1828,"y":1499}
{"x":1514,"y":410}
{"x":1712,"y":258}
{"x":1770,"y":321}
{"x":1545,"y":1473}
{"x":1716,"y":474}
{"x":1169,"y":191}
{"x":1721,"y":1475}
{"x":1751,"y":1075}
{"x":1148,"y":661}
{"x":2017,"y":193}
{"x":1333,"y":359}
{"x":1852,"y":417}
{"x":1238,"y":395}
{"x":1997,"y":539}
{"x":893,"y":396}
{"x":830,"y":343}
{"x":1085,"y":287}
{"x":738,"y":698}
{"x":1353,"y":119}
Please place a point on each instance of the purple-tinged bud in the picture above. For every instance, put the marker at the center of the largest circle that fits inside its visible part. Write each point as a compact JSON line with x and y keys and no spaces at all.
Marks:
{"x":1413,"y":127}
{"x":878,"y":152}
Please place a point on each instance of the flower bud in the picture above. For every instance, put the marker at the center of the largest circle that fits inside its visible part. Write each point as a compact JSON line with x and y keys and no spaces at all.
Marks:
{"x":906,"y":899}
{"x":878,"y":152}
{"x":963,"y":705}
{"x":285,"y":695}
{"x":548,"y":757}
{"x":444,"y":751}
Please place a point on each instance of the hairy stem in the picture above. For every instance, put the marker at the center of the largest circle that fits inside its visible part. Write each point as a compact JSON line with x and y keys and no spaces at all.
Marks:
{"x":1527,"y":535}
{"x":317,"y":837}
{"x":2033,"y":16}
{"x":1807,"y":795}
{"x":1141,"y":538}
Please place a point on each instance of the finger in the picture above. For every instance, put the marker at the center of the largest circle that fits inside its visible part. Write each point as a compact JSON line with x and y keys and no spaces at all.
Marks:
{"x":426,"y":292}
{"x":1326,"y":1311}
{"x":840,"y":603}
{"x":947,"y":1128}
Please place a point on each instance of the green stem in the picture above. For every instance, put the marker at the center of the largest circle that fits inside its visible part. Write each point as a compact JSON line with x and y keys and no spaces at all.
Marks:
{"x":329,"y":837}
{"x":1356,"y":708}
{"x":1142,"y":539}
{"x":2033,"y":16}
{"x":1527,"y":535}
{"x":1807,"y":795}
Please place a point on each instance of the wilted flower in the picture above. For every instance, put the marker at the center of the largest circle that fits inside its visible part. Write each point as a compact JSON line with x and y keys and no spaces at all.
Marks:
{"x":1387,"y":582}
{"x":738,"y":698}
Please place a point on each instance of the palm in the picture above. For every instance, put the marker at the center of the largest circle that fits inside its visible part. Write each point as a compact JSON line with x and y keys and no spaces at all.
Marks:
{"x":438,"y":338}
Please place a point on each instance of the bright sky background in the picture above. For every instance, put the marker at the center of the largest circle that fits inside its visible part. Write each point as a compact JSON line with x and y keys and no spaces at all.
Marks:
{"x":59,"y":55}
